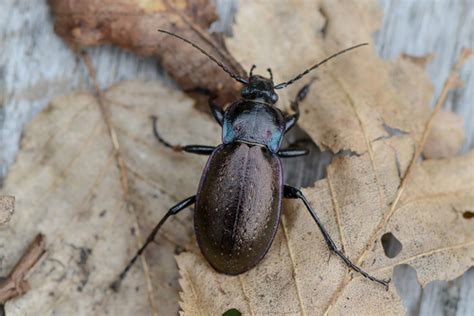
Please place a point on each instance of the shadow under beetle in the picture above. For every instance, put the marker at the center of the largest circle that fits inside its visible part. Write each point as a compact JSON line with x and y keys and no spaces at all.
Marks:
{"x":238,"y":202}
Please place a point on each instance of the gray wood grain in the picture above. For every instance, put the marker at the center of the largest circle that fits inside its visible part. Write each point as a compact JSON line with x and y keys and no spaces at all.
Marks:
{"x":36,"y":65}
{"x":438,"y":27}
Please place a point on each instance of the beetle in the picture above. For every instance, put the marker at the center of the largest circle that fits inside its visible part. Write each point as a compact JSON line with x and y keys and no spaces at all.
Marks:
{"x":237,"y":207}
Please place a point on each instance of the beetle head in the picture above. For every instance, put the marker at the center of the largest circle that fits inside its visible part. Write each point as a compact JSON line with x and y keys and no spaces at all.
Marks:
{"x":260,"y":87}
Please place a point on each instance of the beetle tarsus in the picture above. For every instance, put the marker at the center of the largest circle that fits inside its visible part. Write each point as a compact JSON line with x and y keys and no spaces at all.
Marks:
{"x":294,"y":193}
{"x":292,"y":152}
{"x":295,"y":105}
{"x":193,"y":149}
{"x":158,"y":136}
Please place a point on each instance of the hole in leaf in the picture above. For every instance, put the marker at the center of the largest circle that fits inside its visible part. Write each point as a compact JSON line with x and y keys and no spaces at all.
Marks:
{"x":393,"y":131}
{"x":232,"y":312}
{"x":391,"y":245}
{"x":306,"y":170}
{"x":468,"y":214}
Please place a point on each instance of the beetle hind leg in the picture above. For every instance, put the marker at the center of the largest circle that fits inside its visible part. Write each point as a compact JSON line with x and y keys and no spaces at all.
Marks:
{"x":151,"y":237}
{"x":294,"y":193}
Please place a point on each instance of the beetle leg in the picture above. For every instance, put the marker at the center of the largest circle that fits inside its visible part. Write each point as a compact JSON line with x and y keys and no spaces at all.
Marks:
{"x":295,"y":106}
{"x":194,"y":149}
{"x":294,"y":193}
{"x":216,"y":109}
{"x":292,"y":152}
{"x":172,"y":211}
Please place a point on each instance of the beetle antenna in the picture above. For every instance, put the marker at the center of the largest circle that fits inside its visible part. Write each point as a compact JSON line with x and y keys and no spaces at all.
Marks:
{"x":298,"y":77}
{"x":227,"y":70}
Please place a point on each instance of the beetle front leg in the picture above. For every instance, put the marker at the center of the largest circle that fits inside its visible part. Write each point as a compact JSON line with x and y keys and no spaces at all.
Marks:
{"x":215,"y":108}
{"x":295,"y":106}
{"x":193,"y":149}
{"x":294,"y":193}
{"x":151,"y":237}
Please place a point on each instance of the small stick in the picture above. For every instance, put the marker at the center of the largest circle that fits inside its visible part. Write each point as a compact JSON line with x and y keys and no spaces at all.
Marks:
{"x":15,"y":284}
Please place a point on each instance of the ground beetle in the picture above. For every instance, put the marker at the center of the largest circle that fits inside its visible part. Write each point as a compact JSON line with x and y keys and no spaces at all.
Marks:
{"x":238,"y":203}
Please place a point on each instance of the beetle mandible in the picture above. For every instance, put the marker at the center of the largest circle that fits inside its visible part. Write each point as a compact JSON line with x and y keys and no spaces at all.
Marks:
{"x":238,"y":203}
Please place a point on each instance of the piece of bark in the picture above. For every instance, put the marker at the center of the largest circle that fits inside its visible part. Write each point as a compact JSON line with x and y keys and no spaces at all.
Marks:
{"x":15,"y":283}
{"x":134,"y":25}
{"x":7,"y":208}
{"x":446,"y":137}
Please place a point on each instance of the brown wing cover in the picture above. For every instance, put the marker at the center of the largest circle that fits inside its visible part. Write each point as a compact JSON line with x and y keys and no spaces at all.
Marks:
{"x":238,"y":206}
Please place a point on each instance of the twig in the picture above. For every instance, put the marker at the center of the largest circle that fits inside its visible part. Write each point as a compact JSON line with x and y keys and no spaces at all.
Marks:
{"x":15,"y":284}
{"x":121,"y":165}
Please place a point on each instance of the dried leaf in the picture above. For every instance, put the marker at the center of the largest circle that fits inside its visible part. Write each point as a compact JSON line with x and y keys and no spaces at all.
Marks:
{"x":378,"y":111}
{"x":134,"y":25}
{"x":68,"y":187}
{"x":357,"y":97}
{"x":299,"y":275}
{"x":420,"y":61}
{"x":446,"y":137}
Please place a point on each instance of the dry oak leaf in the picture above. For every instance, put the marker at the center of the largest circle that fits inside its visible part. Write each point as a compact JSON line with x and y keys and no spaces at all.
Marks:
{"x":300,"y":276}
{"x":357,"y":97}
{"x":377,"y":111}
{"x":133,"y":25}
{"x":67,"y":185}
{"x":446,"y":137}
